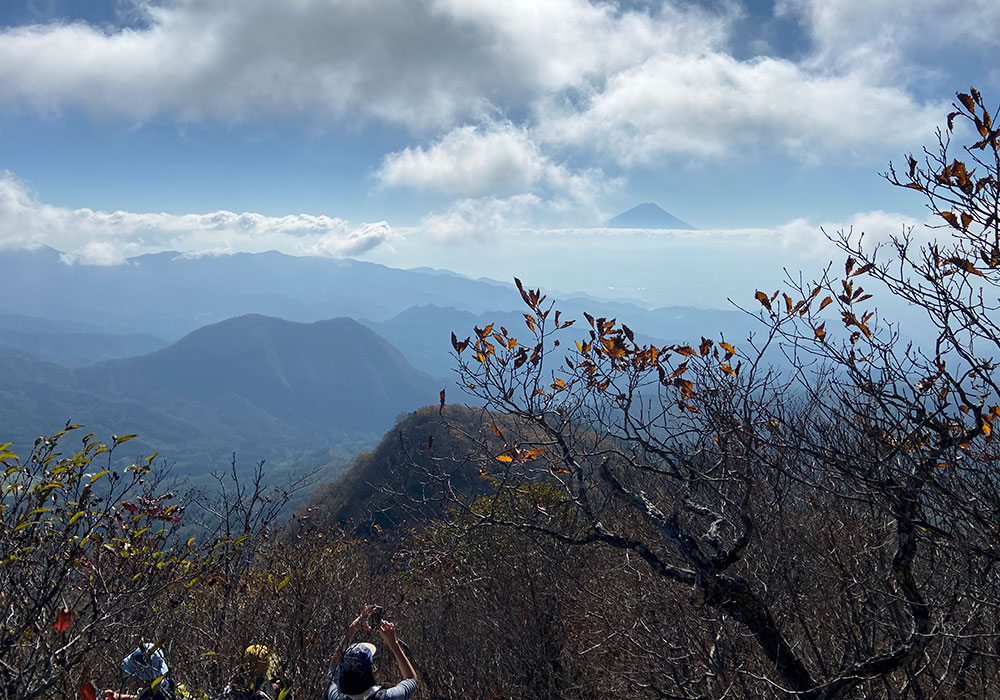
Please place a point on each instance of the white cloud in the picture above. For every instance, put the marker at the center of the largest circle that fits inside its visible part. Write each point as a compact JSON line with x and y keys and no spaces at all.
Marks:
{"x":806,"y":239}
{"x":893,"y":40}
{"x":91,"y":237}
{"x":710,"y":105}
{"x":559,"y":44}
{"x":484,"y":218}
{"x":497,"y":159}
{"x":101,"y":253}
{"x":18,"y":224}
{"x":507,"y":98}
{"x":513,"y":218}
{"x":469,"y":160}
{"x":657,"y":267}
{"x":640,"y":86}
{"x":356,"y":242}
{"x":410,"y":62}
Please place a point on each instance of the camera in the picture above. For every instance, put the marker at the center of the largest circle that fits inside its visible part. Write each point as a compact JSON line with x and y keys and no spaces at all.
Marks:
{"x":375,"y":619}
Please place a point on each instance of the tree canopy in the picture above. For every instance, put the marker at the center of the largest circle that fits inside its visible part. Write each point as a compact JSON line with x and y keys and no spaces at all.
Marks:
{"x":824,"y":492}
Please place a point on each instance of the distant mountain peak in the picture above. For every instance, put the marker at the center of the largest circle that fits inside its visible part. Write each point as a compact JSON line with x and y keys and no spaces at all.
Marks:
{"x":647,"y":215}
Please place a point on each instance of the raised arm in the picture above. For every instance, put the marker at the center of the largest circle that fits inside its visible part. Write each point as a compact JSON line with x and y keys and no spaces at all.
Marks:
{"x":359,"y":623}
{"x":388,"y":632}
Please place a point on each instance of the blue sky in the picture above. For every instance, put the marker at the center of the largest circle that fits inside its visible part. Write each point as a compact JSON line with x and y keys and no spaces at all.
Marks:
{"x":481,"y":136}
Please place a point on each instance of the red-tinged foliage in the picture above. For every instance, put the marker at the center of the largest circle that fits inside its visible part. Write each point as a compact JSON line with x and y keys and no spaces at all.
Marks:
{"x":63,"y":619}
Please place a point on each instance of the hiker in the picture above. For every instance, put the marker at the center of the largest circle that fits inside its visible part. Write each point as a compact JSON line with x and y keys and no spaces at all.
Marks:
{"x":258,"y":678}
{"x":148,"y":665}
{"x":352,"y":672}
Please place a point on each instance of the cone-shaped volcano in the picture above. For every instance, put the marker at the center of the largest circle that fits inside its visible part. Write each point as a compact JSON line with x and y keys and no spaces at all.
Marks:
{"x":647,"y":215}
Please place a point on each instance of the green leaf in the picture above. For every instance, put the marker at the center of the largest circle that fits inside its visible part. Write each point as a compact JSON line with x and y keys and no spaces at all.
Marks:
{"x":98,"y":475}
{"x":76,"y":517}
{"x":283,"y":583}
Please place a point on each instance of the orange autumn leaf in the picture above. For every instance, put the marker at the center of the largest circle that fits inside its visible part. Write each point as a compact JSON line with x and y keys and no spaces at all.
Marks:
{"x":763,"y":299}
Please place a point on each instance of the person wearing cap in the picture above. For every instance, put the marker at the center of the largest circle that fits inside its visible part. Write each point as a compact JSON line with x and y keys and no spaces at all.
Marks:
{"x":148,"y":665}
{"x":353,"y":671}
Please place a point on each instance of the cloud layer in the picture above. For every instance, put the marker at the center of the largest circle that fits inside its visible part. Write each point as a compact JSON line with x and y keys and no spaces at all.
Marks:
{"x":107,"y":238}
{"x":522,"y":112}
{"x":494,"y":160}
{"x":640,"y":85}
{"x":655,"y":267}
{"x":411,"y":62}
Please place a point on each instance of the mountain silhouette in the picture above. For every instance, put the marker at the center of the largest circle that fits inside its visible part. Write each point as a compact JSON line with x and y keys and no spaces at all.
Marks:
{"x":334,"y":374}
{"x":647,"y":215}
{"x":262,"y":387}
{"x":169,"y":294}
{"x":70,"y":343}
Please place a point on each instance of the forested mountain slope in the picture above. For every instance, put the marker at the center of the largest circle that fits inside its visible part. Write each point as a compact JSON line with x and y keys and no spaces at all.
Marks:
{"x":262,"y":387}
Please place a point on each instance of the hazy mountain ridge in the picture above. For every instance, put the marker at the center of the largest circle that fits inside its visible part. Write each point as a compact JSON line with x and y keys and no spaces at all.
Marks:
{"x":423,"y":333}
{"x":70,"y":343}
{"x":263,"y":387}
{"x":170,"y":294}
{"x":255,"y":383}
{"x":332,"y":372}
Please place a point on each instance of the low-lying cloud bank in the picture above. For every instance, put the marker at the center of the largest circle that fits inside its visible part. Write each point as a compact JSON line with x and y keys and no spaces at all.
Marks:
{"x":495,"y":237}
{"x":92,"y":237}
